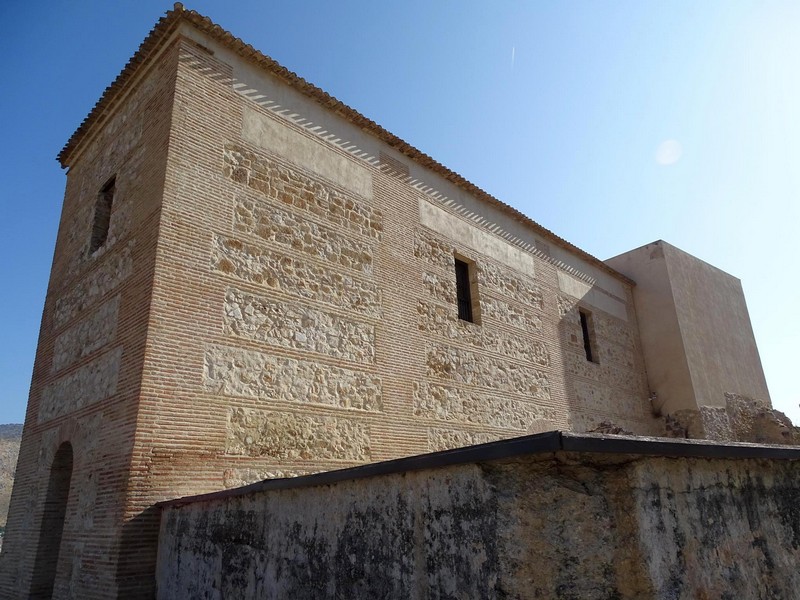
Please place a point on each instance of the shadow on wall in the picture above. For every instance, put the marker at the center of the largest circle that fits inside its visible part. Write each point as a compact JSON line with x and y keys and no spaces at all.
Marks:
{"x":604,"y":378}
{"x":577,"y":345}
{"x":136,"y":566}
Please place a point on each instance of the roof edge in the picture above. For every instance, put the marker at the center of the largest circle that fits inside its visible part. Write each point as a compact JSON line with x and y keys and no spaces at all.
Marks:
{"x":167,"y":24}
{"x":540,"y":443}
{"x":163,"y":28}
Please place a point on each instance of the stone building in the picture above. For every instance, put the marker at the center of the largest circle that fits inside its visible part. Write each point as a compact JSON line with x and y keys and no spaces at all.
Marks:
{"x":251,"y":280}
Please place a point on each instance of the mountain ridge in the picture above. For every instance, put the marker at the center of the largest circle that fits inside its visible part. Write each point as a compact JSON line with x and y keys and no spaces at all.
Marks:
{"x":10,"y":437}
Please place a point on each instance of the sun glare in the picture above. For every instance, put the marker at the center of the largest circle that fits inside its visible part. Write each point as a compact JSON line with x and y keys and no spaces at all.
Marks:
{"x":668,"y":152}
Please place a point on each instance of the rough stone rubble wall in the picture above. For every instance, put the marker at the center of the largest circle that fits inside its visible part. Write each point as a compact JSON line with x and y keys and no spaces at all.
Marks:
{"x":570,"y":526}
{"x":742,"y":419}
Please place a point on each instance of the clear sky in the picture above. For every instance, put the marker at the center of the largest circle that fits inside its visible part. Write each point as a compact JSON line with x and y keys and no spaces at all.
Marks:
{"x":613,"y":124}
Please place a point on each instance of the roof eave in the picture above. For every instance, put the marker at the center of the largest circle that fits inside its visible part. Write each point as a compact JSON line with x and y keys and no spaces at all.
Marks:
{"x":170,"y":22}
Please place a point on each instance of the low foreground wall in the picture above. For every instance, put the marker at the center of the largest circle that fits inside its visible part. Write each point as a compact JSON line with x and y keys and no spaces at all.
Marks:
{"x":546,"y":516}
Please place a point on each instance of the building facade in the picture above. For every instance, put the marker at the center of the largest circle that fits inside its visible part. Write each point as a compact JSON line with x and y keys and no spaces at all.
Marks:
{"x":252,"y":280}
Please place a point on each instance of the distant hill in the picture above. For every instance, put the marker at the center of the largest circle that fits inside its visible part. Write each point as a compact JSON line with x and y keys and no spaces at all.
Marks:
{"x":10,"y":436}
{"x":11,"y":431}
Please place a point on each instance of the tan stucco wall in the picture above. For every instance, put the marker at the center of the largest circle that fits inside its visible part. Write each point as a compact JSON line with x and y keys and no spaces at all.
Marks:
{"x":695,"y":329}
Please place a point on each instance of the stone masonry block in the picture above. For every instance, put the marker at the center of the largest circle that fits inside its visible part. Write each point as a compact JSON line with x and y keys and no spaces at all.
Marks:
{"x":290,"y":436}
{"x":443,"y":321}
{"x":447,"y":439}
{"x":434,"y":251}
{"x":86,"y":336}
{"x":91,"y":383}
{"x":502,"y":311}
{"x":262,"y":266}
{"x":608,"y":374}
{"x":501,"y":280}
{"x":300,"y":191}
{"x":472,"y":369}
{"x":445,"y":403}
{"x":249,"y":374}
{"x":298,"y":327}
{"x":233,"y":478}
{"x":440,"y":288}
{"x":290,"y":230}
{"x":108,"y":276}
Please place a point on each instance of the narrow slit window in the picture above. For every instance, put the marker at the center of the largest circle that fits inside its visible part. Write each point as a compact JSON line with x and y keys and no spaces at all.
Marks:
{"x":102,"y":215}
{"x":464,"y":293}
{"x":587,"y":328}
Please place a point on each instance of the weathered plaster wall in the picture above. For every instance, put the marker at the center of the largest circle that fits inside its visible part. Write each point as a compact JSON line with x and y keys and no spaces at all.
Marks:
{"x":549,"y":525}
{"x":720,"y":345}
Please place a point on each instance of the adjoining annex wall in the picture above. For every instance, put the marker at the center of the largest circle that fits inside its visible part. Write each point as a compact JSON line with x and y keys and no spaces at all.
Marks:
{"x":696,"y":335}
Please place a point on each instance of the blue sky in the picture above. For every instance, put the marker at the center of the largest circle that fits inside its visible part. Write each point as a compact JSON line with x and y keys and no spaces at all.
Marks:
{"x":611,"y":123}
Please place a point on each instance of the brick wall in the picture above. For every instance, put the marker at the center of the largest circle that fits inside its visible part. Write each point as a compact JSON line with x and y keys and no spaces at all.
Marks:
{"x":304,"y":321}
{"x":269,"y":304}
{"x":88,"y":368}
